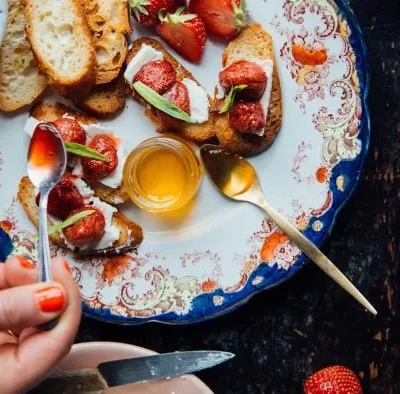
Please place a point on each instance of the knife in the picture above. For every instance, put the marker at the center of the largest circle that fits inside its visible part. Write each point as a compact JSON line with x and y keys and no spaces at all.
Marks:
{"x":134,"y":370}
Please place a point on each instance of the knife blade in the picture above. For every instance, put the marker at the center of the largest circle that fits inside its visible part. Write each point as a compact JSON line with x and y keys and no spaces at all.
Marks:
{"x":134,"y":370}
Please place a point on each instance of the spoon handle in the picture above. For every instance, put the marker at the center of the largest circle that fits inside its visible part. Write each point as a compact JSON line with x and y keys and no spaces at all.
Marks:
{"x":315,"y":255}
{"x":44,"y":266}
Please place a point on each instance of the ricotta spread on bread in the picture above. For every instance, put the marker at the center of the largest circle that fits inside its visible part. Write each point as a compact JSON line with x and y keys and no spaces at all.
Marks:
{"x":111,"y":233}
{"x":199,"y":103}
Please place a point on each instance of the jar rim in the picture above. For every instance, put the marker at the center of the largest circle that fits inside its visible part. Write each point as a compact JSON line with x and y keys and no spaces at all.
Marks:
{"x":190,"y":160}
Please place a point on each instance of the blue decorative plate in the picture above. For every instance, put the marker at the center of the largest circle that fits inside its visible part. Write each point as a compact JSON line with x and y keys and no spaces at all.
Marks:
{"x":216,"y":255}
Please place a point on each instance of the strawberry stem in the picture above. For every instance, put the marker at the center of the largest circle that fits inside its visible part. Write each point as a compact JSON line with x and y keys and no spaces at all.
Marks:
{"x":240,"y":13}
{"x":139,"y":7}
{"x":177,"y":17}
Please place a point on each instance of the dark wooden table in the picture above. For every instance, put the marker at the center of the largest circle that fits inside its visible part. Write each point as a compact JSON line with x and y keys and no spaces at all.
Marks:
{"x":283,"y":335}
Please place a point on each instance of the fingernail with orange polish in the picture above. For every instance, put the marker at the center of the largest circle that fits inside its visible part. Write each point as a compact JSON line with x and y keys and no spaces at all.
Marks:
{"x":66,"y":265}
{"x":50,"y":299}
{"x":25,"y":263}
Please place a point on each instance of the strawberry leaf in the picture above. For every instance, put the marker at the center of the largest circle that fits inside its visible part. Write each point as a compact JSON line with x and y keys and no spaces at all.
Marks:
{"x":138,"y":7}
{"x":161,"y":102}
{"x":178,"y":17}
{"x":240,"y":13}
{"x":230,"y":99}
{"x":84,"y":151}
{"x":70,"y":221}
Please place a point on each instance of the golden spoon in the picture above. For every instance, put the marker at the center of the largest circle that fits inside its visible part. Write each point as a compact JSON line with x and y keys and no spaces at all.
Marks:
{"x":237,"y":179}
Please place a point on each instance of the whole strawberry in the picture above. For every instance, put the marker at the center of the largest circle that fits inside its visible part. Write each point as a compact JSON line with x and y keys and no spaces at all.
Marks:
{"x":184,"y":32}
{"x":223,"y":18}
{"x":146,"y":12}
{"x":333,"y":380}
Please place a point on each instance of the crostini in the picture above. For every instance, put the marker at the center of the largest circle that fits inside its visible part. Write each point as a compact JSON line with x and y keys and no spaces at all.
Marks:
{"x":149,"y":64}
{"x":248,"y":99}
{"x":104,"y":178}
{"x":104,"y":232}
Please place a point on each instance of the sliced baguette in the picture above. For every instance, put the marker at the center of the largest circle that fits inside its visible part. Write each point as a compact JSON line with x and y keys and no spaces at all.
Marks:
{"x":109,"y":23}
{"x":105,"y":13}
{"x":49,"y":113}
{"x":111,"y":50}
{"x":252,"y":42}
{"x":104,"y":101}
{"x":62,"y":43}
{"x":130,"y":233}
{"x":199,"y":133}
{"x":20,"y":80}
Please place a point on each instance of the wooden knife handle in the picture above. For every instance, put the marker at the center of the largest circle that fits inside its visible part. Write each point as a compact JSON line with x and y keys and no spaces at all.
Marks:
{"x":85,"y":381}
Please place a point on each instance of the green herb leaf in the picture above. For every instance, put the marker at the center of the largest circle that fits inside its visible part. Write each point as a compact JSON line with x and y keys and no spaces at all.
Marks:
{"x":161,"y":103}
{"x":83,"y":150}
{"x":70,"y":221}
{"x":230,"y":99}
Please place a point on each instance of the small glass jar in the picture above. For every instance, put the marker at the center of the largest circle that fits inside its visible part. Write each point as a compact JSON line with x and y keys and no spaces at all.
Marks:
{"x":162,"y":174}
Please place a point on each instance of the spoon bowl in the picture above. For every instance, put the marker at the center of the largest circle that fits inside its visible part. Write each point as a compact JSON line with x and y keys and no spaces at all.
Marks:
{"x":236,"y":178}
{"x":47,"y":157}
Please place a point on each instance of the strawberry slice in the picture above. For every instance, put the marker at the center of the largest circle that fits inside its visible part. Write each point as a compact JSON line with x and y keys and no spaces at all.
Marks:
{"x":223,"y":18}
{"x":336,"y":379}
{"x":146,"y":12}
{"x":184,"y":32}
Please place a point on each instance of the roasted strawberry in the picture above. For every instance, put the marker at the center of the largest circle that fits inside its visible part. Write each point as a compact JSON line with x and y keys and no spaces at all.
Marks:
{"x":184,"y":32}
{"x":70,"y":130}
{"x":336,"y":379}
{"x":223,"y":18}
{"x":95,"y":170}
{"x":179,"y":95}
{"x":247,"y":73}
{"x":159,"y":75}
{"x":247,"y":117}
{"x":64,"y":198}
{"x":88,"y":230}
{"x":146,"y":12}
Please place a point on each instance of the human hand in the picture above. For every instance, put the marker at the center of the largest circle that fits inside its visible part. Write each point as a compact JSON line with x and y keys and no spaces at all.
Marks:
{"x":28,"y":355}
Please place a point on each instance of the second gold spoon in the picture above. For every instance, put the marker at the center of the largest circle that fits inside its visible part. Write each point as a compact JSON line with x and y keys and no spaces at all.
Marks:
{"x":237,"y":179}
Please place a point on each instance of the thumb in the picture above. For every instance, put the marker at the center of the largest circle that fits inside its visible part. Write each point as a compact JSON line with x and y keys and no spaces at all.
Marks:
{"x":29,"y":306}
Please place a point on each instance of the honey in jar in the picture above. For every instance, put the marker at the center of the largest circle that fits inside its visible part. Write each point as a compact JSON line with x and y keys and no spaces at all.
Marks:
{"x":162,"y":174}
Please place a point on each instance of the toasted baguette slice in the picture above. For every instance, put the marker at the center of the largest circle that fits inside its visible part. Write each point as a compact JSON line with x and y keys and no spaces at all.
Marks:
{"x":104,"y":101}
{"x":109,"y":22}
{"x":252,"y":43}
{"x":20,"y":80}
{"x":111,"y":50}
{"x":49,"y":113}
{"x":130,"y":233}
{"x":105,"y":13}
{"x":62,"y":43}
{"x":199,"y":133}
